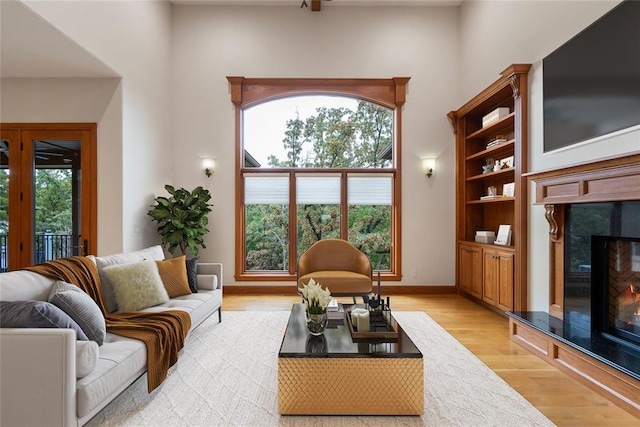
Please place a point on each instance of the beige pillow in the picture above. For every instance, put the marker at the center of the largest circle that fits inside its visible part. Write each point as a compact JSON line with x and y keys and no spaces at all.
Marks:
{"x":136,"y":286}
{"x":173,"y":273}
{"x":102,"y":262}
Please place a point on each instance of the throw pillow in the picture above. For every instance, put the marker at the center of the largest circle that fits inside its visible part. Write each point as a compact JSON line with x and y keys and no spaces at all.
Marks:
{"x":36,"y":314}
{"x":81,"y":308}
{"x":173,"y":273}
{"x":154,"y":252}
{"x":192,"y":273}
{"x":87,"y":353}
{"x":136,"y":286}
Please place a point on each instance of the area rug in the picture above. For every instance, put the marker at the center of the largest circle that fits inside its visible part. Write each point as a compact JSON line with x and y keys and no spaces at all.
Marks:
{"x":227,"y":376}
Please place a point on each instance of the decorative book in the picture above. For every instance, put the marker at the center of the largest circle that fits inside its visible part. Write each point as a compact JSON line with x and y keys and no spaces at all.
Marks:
{"x":484,"y":236}
{"x":335,"y":311}
{"x":494,"y":116}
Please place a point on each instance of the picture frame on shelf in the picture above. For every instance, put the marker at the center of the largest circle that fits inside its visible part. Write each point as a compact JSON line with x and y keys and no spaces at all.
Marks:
{"x":504,"y":235}
{"x":508,"y":189}
{"x":507,"y":162}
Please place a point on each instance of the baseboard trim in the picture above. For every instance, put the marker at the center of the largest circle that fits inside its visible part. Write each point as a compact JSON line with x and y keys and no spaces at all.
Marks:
{"x":291,"y":290}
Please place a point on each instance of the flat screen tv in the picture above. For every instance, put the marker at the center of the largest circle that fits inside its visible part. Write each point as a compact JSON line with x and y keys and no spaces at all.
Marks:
{"x":591,"y":84}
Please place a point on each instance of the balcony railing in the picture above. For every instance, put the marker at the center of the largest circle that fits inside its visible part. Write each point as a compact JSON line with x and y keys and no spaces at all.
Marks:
{"x":46,"y":247}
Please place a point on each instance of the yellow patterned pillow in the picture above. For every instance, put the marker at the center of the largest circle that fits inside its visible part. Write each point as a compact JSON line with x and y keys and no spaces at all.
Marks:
{"x":173,"y":273}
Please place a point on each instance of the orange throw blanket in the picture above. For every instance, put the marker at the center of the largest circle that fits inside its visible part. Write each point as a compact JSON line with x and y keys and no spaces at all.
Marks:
{"x":163,"y":332}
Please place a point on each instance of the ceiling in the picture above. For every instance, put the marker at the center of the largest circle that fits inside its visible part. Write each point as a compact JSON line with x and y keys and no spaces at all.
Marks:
{"x":30,"y":47}
{"x":325,"y":3}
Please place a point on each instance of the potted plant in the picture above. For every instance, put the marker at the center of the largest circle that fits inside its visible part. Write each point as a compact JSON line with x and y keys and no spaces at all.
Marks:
{"x":182,"y":218}
{"x":315,"y":301}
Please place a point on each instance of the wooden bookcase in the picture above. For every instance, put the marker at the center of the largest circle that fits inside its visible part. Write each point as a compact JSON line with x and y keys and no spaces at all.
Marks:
{"x":501,"y":269}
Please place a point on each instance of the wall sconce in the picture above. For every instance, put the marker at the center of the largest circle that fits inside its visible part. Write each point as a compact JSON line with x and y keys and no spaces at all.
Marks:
{"x":209,"y":165}
{"x":428,"y":164}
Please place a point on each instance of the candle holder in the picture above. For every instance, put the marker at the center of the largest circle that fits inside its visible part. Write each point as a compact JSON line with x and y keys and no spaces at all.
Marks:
{"x":376,"y":302}
{"x":381,"y":328}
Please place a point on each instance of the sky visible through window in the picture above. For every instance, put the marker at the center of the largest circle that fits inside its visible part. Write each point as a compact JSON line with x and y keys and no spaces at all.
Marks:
{"x":265,"y":124}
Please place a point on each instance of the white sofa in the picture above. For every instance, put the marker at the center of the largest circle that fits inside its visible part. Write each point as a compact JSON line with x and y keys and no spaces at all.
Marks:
{"x":38,"y":384}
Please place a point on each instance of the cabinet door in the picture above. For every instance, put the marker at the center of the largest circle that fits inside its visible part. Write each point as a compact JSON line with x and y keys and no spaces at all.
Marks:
{"x":471,"y":270}
{"x":505,"y":281}
{"x":490,"y":276}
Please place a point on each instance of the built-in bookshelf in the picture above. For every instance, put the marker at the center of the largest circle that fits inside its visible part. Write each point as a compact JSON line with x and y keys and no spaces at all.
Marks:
{"x":491,"y":157}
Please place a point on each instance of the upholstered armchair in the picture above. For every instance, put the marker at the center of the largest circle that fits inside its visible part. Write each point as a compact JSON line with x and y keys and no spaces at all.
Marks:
{"x":338,"y":265}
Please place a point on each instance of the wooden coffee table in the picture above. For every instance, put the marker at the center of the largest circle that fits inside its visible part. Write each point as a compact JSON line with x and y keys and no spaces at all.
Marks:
{"x":332,"y":375}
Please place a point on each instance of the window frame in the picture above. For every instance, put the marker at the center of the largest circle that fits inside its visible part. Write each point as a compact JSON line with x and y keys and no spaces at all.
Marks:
{"x":247,"y":92}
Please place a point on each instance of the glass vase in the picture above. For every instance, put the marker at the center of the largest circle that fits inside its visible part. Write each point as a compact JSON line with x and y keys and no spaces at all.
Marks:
{"x":316,"y":344}
{"x":316,"y":323}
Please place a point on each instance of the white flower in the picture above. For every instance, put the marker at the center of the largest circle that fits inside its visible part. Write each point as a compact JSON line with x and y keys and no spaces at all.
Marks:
{"x":315,"y":298}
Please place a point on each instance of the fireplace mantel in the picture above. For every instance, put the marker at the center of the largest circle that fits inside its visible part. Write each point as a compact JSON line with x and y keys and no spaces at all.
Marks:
{"x":605,"y":180}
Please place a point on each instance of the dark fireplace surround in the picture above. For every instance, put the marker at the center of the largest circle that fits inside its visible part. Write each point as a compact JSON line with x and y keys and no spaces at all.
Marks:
{"x":592,"y":327}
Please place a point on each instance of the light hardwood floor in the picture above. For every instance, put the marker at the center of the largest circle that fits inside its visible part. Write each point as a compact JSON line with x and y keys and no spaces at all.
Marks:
{"x":485,"y":333}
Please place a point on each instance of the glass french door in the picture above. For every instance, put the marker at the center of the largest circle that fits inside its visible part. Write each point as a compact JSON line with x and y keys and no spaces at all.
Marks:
{"x":47,"y":193}
{"x":8,"y":144}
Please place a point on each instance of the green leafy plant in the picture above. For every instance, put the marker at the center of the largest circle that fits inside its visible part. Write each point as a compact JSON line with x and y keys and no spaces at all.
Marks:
{"x":182,"y":218}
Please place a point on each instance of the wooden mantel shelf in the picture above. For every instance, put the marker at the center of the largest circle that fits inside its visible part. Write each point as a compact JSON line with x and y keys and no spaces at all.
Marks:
{"x":614,"y":179}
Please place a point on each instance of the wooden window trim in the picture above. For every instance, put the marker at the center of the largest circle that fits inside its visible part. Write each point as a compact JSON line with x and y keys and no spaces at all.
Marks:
{"x":246,"y":92}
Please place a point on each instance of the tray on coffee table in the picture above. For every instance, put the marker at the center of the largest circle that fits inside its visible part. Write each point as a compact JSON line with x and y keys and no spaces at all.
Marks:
{"x":381,"y":325}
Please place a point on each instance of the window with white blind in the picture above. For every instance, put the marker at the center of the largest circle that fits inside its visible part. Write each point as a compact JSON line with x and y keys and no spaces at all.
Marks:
{"x":266,"y":202}
{"x":369,"y":201}
{"x":331,"y":172}
{"x":318,"y":209}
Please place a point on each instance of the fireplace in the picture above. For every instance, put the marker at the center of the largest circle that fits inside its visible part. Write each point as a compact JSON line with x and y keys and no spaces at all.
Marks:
{"x":602,"y":270}
{"x":592,"y":327}
{"x":601,"y":277}
{"x":616,"y":288}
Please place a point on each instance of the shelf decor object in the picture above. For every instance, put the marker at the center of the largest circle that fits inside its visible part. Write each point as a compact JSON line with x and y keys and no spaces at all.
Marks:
{"x":508,"y":189}
{"x":494,"y":116}
{"x":504,"y":235}
{"x":491,"y":152}
{"x":485,"y":236}
{"x":381,"y":328}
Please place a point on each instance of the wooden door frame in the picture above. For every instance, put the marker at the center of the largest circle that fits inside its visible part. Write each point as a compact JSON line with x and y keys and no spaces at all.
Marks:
{"x":23,"y":166}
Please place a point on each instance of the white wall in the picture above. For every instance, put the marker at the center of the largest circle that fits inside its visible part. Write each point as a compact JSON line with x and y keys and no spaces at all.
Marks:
{"x":496,"y":34}
{"x":210,"y":43}
{"x":173,"y":106}
{"x":133,"y":38}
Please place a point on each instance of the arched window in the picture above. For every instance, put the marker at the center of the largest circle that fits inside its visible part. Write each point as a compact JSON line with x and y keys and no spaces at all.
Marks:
{"x":316,"y":159}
